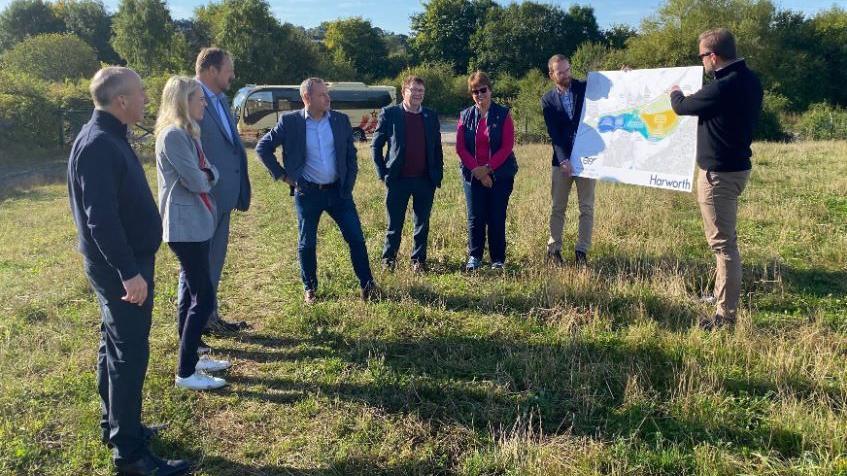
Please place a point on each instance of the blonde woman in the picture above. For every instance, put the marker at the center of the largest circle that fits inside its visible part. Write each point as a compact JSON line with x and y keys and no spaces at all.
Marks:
{"x":185,"y":179}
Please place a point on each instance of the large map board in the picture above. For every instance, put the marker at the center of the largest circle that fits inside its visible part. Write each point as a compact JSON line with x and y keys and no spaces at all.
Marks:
{"x":629,"y":133}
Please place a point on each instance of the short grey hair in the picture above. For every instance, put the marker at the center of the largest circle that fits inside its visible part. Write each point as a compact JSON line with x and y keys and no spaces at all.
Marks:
{"x":719,"y":41}
{"x":109,"y":83}
{"x":306,"y":85}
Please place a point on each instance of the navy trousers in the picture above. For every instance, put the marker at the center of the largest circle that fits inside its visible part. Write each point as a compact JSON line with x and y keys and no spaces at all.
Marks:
{"x":196,"y":301}
{"x":311,"y":203}
{"x":122,"y":358}
{"x":487,"y":216}
{"x":400,"y":190}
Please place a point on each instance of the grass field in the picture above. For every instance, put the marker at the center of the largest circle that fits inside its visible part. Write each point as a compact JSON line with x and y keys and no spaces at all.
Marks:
{"x":532,"y":371}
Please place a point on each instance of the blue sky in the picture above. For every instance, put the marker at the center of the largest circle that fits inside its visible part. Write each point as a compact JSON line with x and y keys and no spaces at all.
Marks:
{"x":393,"y":15}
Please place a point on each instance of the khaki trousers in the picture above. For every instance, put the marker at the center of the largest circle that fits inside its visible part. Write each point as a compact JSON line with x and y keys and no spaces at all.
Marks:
{"x":717,"y":194}
{"x":560,"y":191}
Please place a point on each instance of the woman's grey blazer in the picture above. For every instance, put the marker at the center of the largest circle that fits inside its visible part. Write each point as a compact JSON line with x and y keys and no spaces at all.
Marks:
{"x":185,"y":218}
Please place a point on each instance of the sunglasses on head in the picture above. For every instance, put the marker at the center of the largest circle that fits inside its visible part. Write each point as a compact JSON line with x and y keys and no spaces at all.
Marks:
{"x":479,"y":91}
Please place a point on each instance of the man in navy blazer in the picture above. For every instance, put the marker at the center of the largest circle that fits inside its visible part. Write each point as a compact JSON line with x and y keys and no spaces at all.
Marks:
{"x":223,"y":148}
{"x":413,"y":169}
{"x":319,"y":162}
{"x":562,"y":107}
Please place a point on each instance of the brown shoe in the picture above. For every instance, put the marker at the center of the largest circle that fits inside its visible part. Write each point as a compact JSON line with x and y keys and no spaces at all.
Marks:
{"x":370,"y":292}
{"x":309,"y":296}
{"x":419,"y":267}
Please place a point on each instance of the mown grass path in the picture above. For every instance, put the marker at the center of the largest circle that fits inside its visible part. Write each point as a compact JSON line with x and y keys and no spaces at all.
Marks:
{"x":532,"y":371}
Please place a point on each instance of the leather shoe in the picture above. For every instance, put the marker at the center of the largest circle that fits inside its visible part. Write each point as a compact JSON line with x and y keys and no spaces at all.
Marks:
{"x":152,"y":465}
{"x":220,"y":327}
{"x":555,"y":258}
{"x":370,"y":292}
{"x":581,"y":258}
{"x":309,"y":296}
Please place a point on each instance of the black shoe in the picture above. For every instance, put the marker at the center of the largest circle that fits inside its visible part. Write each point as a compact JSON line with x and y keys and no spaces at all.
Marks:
{"x":555,"y":258}
{"x":388,"y":264}
{"x":220,"y":327}
{"x":419,"y":267}
{"x":149,"y":433}
{"x":152,"y":465}
{"x":581,"y":258}
{"x":370,"y":292}
{"x":716,"y":322}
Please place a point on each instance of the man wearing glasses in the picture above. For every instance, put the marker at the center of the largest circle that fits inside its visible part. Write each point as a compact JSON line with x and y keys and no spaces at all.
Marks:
{"x":562,"y":107}
{"x":413,"y":169}
{"x":728,"y":110}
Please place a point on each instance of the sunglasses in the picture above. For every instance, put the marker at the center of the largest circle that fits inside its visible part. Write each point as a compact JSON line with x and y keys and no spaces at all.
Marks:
{"x":703,"y":55}
{"x":477,"y":92}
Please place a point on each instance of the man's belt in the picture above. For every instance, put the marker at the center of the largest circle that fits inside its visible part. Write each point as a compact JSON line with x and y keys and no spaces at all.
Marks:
{"x":304,"y":185}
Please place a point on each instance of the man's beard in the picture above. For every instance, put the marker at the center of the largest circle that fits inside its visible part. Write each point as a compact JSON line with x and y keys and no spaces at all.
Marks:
{"x":565,"y":84}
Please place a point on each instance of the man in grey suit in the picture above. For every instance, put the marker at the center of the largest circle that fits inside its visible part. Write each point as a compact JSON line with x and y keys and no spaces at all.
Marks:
{"x":319,"y":162}
{"x":223,"y":148}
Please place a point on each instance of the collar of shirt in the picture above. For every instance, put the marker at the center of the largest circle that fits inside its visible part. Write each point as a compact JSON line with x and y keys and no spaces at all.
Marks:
{"x":403,"y":105}
{"x":108,"y":122}
{"x":736,"y":60}
{"x":309,"y":117}
{"x":207,"y":90}
{"x":563,"y":91}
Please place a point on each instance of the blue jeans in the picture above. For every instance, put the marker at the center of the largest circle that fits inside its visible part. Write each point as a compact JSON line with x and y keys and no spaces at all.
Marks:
{"x":122,"y":357}
{"x":400,"y":190}
{"x":487,"y":215}
{"x":311,"y":203}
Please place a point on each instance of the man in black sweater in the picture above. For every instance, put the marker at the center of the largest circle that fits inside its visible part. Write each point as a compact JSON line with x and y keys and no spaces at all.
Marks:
{"x":119,"y":232}
{"x":727,"y":110}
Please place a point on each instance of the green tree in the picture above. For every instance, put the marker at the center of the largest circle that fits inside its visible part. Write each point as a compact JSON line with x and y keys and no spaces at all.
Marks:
{"x":522,"y":37}
{"x":265,"y":52}
{"x":89,"y":20}
{"x":590,"y":56}
{"x":145,"y":35}
{"x":52,"y":57}
{"x":830,"y":27}
{"x":357,"y":41}
{"x":443,"y":31}
{"x":25,"y":18}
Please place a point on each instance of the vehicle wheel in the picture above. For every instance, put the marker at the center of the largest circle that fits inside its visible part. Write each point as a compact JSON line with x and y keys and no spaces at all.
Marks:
{"x":359,"y":134}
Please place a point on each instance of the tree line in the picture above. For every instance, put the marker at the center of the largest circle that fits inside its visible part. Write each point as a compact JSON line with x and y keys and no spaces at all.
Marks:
{"x":54,"y":46}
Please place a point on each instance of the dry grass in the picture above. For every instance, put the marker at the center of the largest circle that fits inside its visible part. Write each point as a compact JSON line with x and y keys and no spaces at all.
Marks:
{"x":533,"y":371}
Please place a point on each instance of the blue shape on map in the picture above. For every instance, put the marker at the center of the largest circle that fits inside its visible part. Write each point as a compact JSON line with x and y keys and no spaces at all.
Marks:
{"x":628,"y":121}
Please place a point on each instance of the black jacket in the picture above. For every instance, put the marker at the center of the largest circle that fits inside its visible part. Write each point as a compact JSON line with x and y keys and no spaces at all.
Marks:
{"x":728,"y":110}
{"x":391,"y":129}
{"x":560,"y":127}
{"x":115,"y":214}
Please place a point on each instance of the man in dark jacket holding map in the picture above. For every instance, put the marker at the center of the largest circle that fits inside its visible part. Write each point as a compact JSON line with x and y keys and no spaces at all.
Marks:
{"x":727,"y":110}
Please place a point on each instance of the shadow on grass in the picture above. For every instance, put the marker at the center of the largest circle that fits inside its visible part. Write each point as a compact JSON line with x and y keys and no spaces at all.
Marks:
{"x":607,"y":390}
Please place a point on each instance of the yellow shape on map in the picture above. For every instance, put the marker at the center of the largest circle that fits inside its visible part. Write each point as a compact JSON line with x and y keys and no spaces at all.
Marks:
{"x":659,"y":124}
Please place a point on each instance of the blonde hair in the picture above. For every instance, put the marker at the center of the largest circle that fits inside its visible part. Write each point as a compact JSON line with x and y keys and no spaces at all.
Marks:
{"x":173,"y":107}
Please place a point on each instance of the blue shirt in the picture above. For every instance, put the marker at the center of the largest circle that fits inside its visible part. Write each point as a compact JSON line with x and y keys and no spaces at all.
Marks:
{"x":218,"y":106}
{"x":320,"y":150}
{"x":567,"y":101}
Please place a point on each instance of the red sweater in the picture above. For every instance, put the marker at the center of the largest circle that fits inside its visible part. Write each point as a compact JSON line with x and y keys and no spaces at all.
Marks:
{"x":483,"y":151}
{"x":414,"y":164}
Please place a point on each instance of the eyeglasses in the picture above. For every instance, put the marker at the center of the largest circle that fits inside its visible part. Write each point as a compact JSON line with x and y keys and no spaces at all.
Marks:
{"x":703,"y":55}
{"x":477,"y":92}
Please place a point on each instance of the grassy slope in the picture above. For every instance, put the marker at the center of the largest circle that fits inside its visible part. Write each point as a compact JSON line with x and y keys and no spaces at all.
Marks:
{"x":535,"y":371}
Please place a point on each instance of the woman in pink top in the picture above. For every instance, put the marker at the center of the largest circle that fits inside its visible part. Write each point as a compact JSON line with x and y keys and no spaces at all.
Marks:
{"x":485,"y":140}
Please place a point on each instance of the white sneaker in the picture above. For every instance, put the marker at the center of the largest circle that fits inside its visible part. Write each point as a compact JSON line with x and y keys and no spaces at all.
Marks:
{"x":200,"y":381}
{"x":497,"y":265}
{"x":473,"y":264}
{"x":208,"y":364}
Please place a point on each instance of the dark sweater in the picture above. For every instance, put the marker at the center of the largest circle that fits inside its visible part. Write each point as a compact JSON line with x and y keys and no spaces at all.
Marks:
{"x":728,"y":110}
{"x":414,"y":164}
{"x":116,"y":217}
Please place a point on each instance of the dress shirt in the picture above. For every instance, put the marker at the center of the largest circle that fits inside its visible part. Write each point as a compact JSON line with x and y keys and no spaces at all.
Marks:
{"x":320,"y":165}
{"x":217,"y":104}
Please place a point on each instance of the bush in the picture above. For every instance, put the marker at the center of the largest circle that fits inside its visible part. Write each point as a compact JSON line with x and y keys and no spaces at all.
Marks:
{"x":774,"y":108}
{"x":28,"y":120}
{"x":53,"y":57}
{"x":526,"y":111}
{"x":445,"y":93}
{"x":823,"y":122}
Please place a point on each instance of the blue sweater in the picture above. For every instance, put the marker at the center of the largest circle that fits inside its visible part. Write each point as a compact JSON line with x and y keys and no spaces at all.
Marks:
{"x":116,"y":217}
